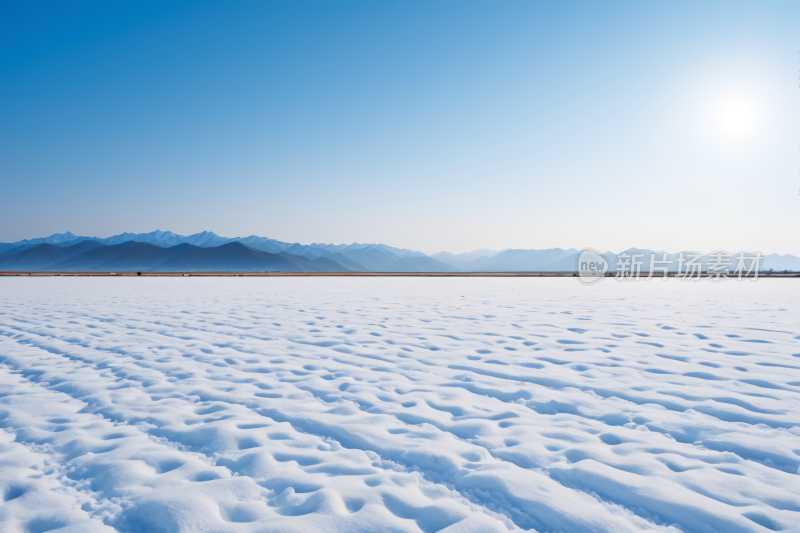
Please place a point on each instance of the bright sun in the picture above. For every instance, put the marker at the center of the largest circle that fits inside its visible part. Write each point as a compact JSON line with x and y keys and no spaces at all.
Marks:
{"x":736,"y":118}
{"x":732,"y":118}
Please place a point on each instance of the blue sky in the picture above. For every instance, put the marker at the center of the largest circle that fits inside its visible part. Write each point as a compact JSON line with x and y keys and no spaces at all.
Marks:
{"x":436,"y":125}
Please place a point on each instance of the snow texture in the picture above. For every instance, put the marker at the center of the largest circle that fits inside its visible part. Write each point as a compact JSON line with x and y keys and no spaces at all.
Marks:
{"x":398,"y":404}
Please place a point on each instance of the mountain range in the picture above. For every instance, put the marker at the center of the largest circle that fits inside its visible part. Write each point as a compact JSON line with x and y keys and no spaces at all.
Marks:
{"x":164,"y":251}
{"x":205,"y":252}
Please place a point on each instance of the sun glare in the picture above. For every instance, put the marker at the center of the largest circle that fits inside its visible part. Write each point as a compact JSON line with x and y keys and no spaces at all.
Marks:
{"x":732,"y":118}
{"x":735,"y":118}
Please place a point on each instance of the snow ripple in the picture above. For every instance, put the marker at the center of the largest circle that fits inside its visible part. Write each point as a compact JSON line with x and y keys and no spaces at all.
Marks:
{"x":391,"y":404}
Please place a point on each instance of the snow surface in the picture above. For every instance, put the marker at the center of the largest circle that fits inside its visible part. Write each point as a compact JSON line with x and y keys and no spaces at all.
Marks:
{"x":398,"y":404}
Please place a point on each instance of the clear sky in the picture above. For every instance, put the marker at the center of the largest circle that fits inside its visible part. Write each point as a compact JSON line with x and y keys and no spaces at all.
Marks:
{"x":432,"y":125}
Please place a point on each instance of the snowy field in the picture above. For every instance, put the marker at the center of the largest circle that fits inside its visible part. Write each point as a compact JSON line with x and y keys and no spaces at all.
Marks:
{"x":398,"y":404}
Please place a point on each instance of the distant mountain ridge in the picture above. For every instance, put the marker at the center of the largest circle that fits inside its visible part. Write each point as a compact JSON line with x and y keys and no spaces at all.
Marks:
{"x":205,"y":239}
{"x":164,"y":251}
{"x":207,"y":251}
{"x":143,"y":256}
